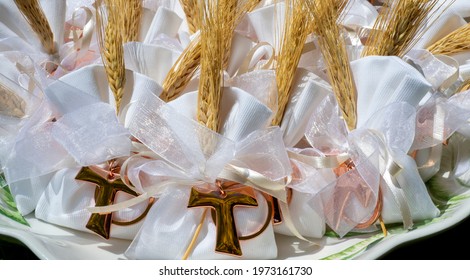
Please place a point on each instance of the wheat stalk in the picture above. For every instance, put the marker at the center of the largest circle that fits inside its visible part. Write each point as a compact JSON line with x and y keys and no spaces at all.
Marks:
{"x":132,"y":10}
{"x":248,"y":6}
{"x":195,"y":236}
{"x":35,"y":17}
{"x":238,"y":10}
{"x":111,"y":47}
{"x":216,"y":29}
{"x":295,"y":33}
{"x":334,"y":51}
{"x":183,"y":70}
{"x":399,"y":26}
{"x":192,"y":12}
{"x":455,"y":42}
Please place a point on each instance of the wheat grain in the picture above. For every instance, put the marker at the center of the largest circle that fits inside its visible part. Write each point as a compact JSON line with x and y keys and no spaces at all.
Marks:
{"x":216,"y":30}
{"x":10,"y":103}
{"x":218,"y":20}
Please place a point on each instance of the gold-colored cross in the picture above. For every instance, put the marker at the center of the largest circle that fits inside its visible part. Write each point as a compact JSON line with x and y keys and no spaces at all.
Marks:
{"x":223,"y":202}
{"x":106,"y":189}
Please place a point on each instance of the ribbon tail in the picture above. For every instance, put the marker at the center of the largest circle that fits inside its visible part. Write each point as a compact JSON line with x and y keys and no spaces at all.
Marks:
{"x":400,"y":199}
{"x":118,"y":206}
{"x":150,"y":192}
{"x":287,"y":219}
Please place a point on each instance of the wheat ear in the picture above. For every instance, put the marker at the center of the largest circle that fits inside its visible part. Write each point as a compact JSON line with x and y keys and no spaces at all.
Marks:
{"x":334,"y":51}
{"x":455,"y":42}
{"x":296,"y":29}
{"x":183,"y":70}
{"x":216,"y":29}
{"x":131,"y":20}
{"x":32,"y":11}
{"x":111,"y":48}
{"x":192,"y":12}
{"x":10,"y":103}
{"x":399,"y":26}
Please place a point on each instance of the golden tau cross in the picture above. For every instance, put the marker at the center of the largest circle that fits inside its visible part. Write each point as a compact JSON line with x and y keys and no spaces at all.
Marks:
{"x":105,"y":193}
{"x":223,"y":201}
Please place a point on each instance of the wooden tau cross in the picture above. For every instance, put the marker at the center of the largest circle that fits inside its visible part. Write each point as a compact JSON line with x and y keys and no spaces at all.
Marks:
{"x":106,"y":189}
{"x":223,"y":202}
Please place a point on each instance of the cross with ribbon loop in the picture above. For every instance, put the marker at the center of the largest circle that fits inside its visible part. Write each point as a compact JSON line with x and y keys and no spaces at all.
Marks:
{"x":107,"y":186}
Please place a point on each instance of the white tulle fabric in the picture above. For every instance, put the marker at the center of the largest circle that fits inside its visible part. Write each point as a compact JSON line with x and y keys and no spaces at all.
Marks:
{"x":19,"y":101}
{"x":308,"y":90}
{"x":86,"y":130}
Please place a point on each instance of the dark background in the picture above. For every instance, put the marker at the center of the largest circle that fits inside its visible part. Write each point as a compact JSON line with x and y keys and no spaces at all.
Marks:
{"x":441,"y":246}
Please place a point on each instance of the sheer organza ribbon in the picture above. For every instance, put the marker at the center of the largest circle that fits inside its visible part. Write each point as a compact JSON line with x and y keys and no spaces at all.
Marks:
{"x":201,"y":165}
{"x":372,"y":147}
{"x":440,"y":71}
{"x":186,"y":154}
{"x":437,"y":120}
{"x":84,"y":130}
